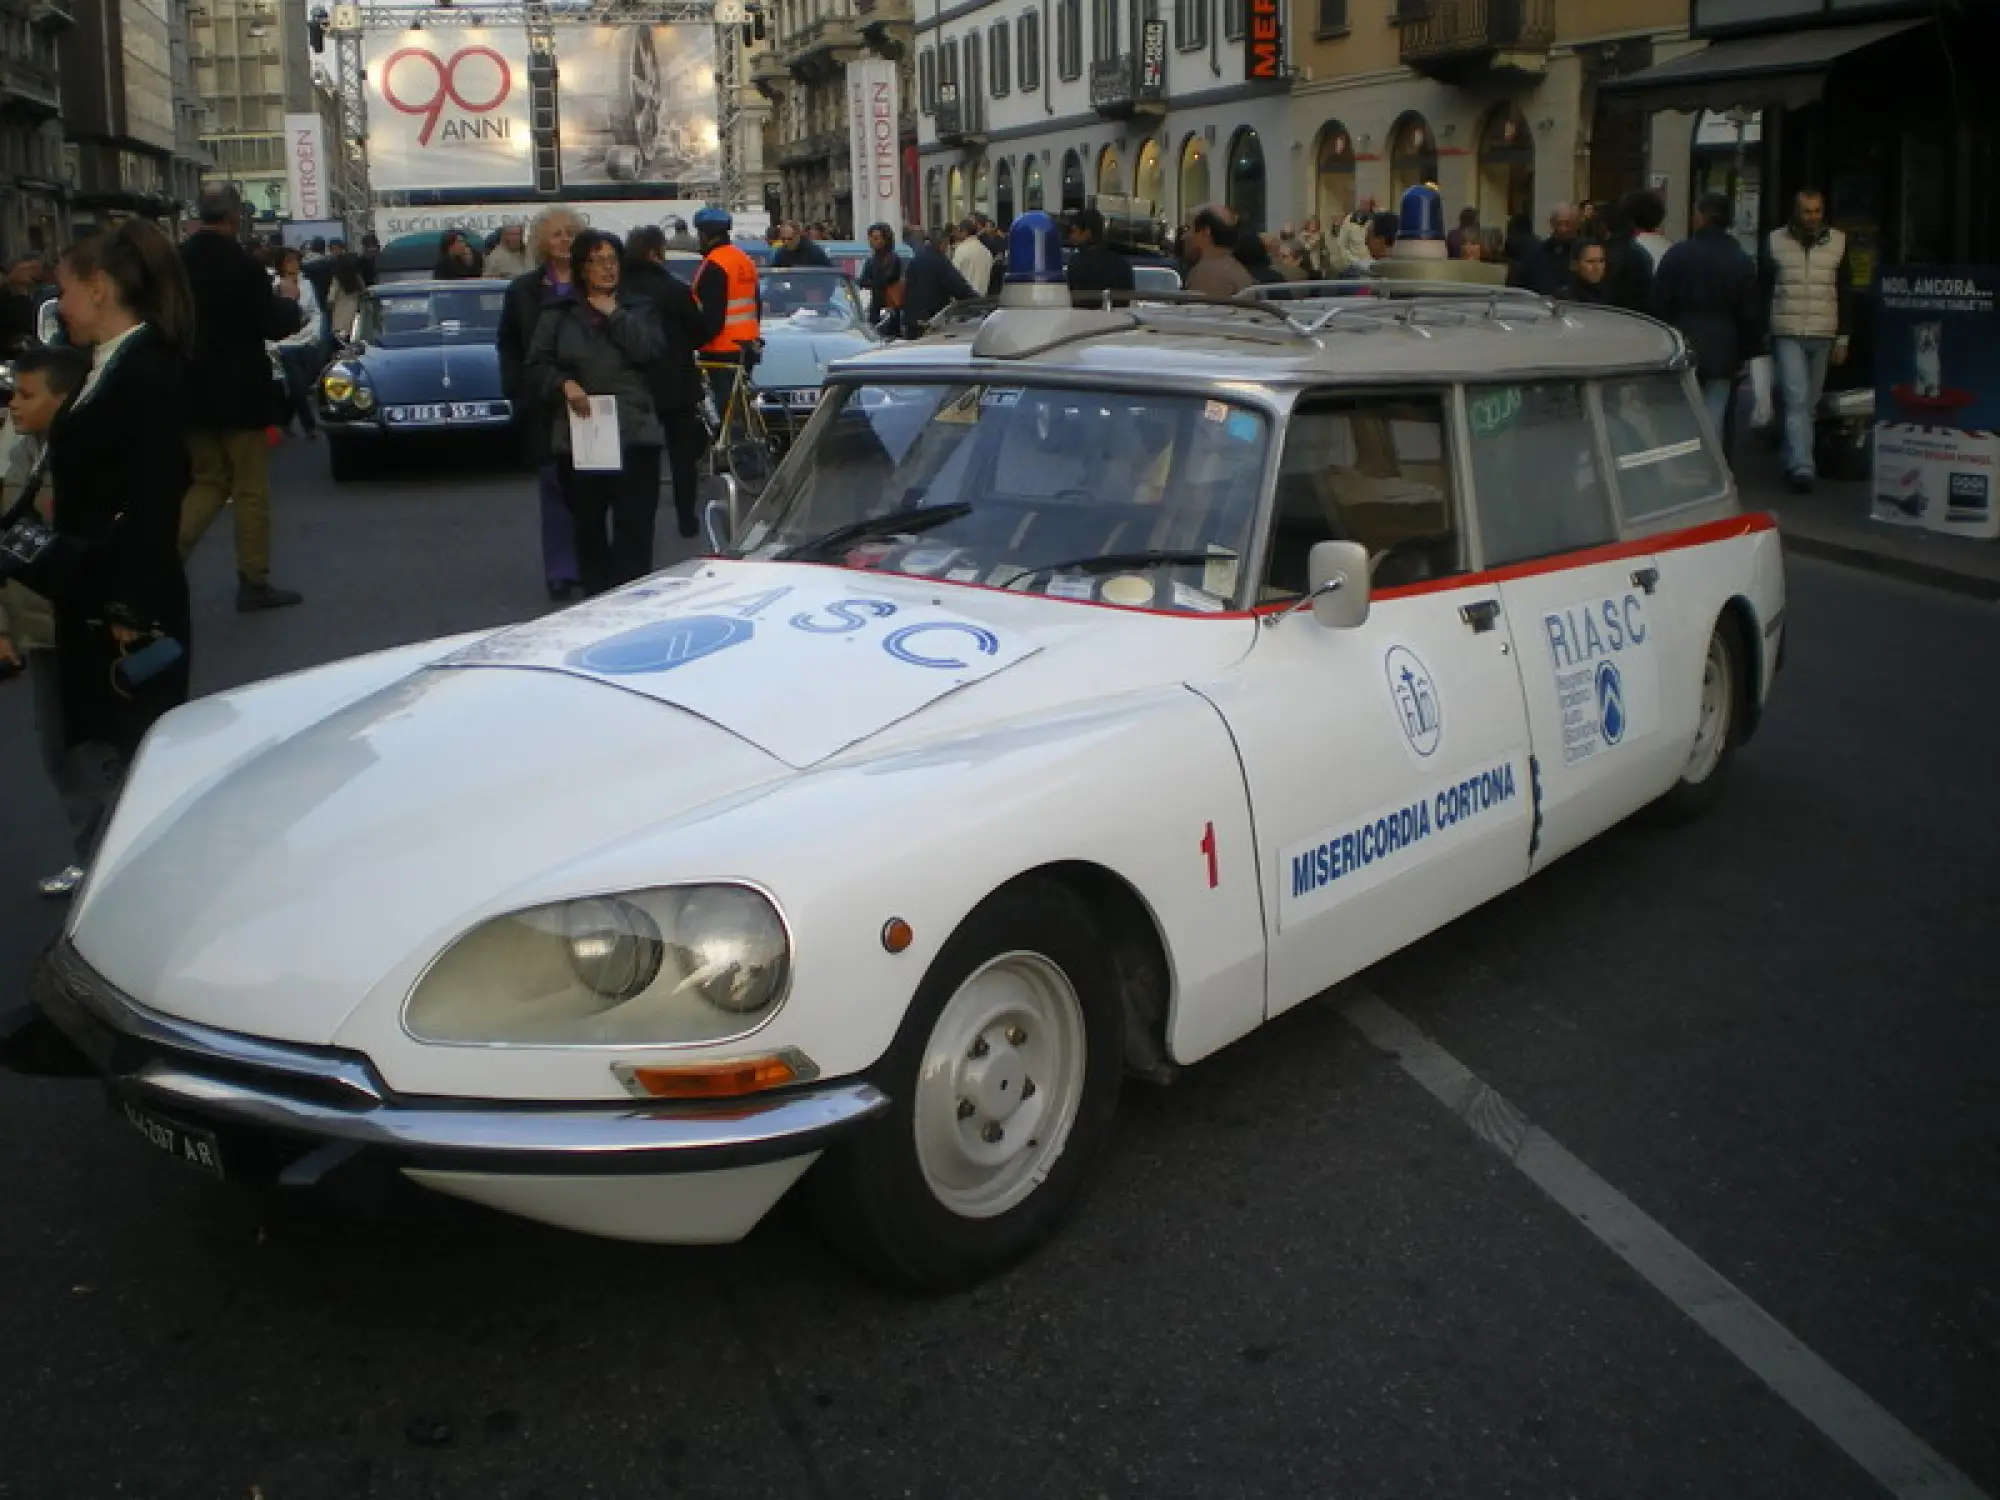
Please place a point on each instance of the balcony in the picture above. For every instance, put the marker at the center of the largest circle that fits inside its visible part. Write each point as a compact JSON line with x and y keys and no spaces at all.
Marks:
{"x":1123,"y":87}
{"x":812,"y":150}
{"x":1454,"y":41}
{"x":956,"y":122}
{"x":827,"y":43}
{"x":769,"y":74}
{"x":51,"y":15}
{"x":28,"y":93}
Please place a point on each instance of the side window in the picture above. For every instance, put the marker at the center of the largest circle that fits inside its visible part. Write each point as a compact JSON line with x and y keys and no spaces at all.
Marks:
{"x":1657,"y":449}
{"x":1369,"y":469}
{"x":1535,"y":473}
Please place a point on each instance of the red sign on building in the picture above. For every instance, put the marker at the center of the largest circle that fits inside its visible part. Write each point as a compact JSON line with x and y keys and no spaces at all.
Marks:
{"x":1264,"y":42}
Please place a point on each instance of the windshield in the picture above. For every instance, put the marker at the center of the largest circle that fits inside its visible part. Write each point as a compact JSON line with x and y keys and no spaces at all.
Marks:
{"x":818,"y":301}
{"x":1140,"y":499}
{"x":402,"y":320}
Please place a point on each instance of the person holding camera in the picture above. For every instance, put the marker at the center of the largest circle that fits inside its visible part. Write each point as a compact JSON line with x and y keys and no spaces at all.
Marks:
{"x":108,"y":558}
{"x":602,"y":340}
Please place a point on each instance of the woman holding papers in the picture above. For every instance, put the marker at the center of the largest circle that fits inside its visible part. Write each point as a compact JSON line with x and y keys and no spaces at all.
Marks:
{"x":589,"y":368}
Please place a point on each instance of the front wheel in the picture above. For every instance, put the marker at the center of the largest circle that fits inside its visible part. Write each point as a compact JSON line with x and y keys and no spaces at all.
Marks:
{"x":1717,"y":729}
{"x":1004,"y":1079}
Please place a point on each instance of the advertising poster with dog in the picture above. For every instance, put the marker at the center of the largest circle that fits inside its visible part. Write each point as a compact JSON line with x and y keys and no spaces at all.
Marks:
{"x":1937,"y":399}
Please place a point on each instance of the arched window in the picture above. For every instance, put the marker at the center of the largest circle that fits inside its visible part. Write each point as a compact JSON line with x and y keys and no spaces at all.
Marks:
{"x":1413,"y":156}
{"x":982,"y":188}
{"x":1246,"y":179}
{"x":933,"y":198}
{"x":1194,"y":175}
{"x":1003,"y":192}
{"x":1333,"y":175}
{"x":1147,"y":183}
{"x":1072,"y":181}
{"x":955,"y":195}
{"x":1506,"y":166}
{"x":1110,"y":174}
{"x":1031,"y":185}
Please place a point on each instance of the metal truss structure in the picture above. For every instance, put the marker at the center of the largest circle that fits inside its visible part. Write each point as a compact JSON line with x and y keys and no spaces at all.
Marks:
{"x":540,"y":20}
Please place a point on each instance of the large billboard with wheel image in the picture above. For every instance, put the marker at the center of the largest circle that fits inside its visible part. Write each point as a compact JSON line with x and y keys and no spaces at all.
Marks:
{"x":637,"y":104}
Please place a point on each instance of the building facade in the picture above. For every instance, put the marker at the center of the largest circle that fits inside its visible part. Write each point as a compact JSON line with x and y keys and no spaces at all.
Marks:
{"x":251,"y":69}
{"x":804,"y":75}
{"x":133,"y":148}
{"x":34,"y":192}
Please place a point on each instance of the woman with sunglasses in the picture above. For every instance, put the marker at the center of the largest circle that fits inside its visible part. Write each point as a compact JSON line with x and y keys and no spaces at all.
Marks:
{"x":600,"y":340}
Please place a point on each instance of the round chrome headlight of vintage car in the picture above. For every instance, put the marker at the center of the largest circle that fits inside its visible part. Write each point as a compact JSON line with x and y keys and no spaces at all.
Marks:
{"x":668,"y":966}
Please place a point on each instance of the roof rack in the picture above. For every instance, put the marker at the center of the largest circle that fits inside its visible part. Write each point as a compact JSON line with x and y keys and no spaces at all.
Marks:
{"x":1191,"y":312}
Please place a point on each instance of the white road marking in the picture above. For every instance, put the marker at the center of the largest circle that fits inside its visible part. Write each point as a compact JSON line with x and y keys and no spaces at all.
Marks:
{"x":1896,"y":1457}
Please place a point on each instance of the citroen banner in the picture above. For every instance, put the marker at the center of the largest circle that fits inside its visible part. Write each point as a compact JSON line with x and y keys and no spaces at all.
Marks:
{"x":448,"y":109}
{"x":637,"y":104}
{"x":871,"y":125}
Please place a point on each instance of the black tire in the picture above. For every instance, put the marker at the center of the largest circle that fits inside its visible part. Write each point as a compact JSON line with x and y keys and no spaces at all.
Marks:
{"x":871,"y":1193}
{"x":1698,"y":790}
{"x":347,"y":459}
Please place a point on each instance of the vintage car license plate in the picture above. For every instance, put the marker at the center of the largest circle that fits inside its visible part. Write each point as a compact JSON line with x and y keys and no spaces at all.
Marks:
{"x":185,"y":1143}
{"x":445,"y":411}
{"x":808,"y":397}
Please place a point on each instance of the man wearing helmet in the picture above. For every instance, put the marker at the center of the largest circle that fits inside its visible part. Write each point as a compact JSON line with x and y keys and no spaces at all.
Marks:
{"x":725,"y":288}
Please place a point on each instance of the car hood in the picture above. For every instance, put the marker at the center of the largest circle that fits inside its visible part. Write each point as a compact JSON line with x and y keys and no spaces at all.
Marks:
{"x":259,"y":900}
{"x":798,"y":356}
{"x":269,"y":872}
{"x":432,"y":372}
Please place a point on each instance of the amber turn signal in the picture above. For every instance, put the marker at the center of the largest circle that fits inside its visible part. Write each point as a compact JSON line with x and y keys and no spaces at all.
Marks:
{"x":897,"y":935}
{"x":729,"y":1078}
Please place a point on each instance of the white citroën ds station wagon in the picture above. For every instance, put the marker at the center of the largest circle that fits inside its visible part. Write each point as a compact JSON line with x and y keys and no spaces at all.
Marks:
{"x":1087,"y":687}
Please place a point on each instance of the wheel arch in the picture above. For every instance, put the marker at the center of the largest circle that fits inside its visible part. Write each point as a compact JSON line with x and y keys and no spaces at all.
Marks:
{"x":1139,"y":949}
{"x":1740,"y":612}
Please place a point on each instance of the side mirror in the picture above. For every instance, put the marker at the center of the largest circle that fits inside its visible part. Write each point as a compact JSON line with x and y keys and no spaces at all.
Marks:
{"x":48,"y":323}
{"x":1337,"y":573}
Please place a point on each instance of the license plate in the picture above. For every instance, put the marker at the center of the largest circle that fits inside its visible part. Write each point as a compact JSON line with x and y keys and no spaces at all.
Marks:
{"x":185,"y":1143}
{"x":446,"y":411}
{"x":802,"y":398}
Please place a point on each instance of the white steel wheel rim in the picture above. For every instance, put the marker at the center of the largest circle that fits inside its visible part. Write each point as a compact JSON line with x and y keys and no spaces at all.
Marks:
{"x":1000,"y":1085}
{"x":1711,"y":731}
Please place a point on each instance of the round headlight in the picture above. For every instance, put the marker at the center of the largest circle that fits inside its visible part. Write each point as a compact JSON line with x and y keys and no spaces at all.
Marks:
{"x":364,"y":399}
{"x":338,"y":384}
{"x":732,"y":948}
{"x":614,"y":947}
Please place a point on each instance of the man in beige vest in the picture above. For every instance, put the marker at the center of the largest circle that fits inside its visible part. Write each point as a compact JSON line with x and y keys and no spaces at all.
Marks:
{"x":1806,"y":268}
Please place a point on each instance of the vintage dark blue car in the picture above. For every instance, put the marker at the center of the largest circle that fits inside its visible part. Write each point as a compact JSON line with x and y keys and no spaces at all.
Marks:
{"x":421,"y":360}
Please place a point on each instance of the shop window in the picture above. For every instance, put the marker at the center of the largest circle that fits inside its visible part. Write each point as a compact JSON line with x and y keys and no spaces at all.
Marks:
{"x":1535,"y":473}
{"x":1658,"y":454}
{"x":1369,"y":469}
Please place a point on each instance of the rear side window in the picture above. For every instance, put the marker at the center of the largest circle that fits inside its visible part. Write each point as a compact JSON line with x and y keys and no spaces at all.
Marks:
{"x":1661,"y":459}
{"x":1541,"y":491}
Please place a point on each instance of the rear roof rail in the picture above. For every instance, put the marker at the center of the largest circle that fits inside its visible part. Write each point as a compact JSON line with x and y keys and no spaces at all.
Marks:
{"x":1187,"y":312}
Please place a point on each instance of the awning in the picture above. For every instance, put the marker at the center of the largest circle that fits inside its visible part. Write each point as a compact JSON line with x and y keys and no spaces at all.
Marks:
{"x":1783,"y":71}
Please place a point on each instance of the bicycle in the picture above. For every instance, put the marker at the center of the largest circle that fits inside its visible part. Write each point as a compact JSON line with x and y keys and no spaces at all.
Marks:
{"x":741,"y":442}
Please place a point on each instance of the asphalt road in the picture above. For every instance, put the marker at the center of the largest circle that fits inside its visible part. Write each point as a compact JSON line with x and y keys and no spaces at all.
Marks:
{"x":1300,"y":1275}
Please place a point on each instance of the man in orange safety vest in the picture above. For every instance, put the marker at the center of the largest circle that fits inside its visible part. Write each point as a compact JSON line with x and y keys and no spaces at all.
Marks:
{"x":725,"y":288}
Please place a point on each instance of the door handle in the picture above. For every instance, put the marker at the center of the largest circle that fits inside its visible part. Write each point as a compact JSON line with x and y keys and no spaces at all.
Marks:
{"x":1646,"y":578}
{"x":1481,"y":614}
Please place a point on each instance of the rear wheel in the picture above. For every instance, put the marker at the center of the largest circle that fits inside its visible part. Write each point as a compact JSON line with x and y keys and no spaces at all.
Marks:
{"x":1717,"y":729}
{"x":1004,"y":1079}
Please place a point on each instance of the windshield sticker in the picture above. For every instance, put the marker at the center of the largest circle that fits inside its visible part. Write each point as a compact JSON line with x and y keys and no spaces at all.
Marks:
{"x":1128,"y":589}
{"x":1188,"y":597}
{"x":925,"y":561}
{"x":1215,"y":411}
{"x":1492,"y":411}
{"x":1605,"y":675}
{"x":1244,"y":426}
{"x":963,"y":575}
{"x":1001,"y":395}
{"x":1355,"y":856}
{"x":1070,"y":586}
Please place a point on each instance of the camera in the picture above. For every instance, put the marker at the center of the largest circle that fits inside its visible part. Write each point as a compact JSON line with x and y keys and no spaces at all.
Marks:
{"x":24,"y":546}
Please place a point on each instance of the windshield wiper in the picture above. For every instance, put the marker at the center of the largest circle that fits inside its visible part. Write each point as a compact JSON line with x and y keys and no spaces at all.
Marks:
{"x":1105,"y":562}
{"x":895,"y":522}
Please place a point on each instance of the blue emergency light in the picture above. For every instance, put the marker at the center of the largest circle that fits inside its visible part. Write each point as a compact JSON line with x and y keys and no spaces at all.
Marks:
{"x":1034,"y":250}
{"x":1422,"y":214}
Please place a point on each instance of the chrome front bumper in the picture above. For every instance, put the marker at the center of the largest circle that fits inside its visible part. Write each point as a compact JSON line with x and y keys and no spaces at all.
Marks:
{"x":317,"y":1108}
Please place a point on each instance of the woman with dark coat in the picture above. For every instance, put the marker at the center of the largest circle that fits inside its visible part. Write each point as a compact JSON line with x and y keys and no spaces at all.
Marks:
{"x":554,"y":231}
{"x":602,"y":340}
{"x":119,"y":466}
{"x":678,"y":386}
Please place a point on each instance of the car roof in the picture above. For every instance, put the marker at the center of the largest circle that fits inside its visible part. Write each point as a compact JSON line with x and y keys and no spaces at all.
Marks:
{"x":1408,"y":334}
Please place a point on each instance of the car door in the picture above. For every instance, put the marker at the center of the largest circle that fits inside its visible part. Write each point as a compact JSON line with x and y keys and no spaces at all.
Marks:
{"x":1387,"y":763}
{"x":1595,"y":639}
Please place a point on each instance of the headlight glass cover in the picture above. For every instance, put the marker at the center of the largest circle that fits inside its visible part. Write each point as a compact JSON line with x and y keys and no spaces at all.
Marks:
{"x":672,"y":965}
